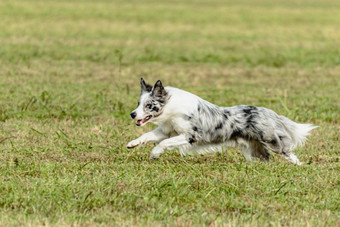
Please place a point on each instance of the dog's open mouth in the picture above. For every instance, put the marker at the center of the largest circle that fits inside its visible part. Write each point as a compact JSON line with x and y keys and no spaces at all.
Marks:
{"x":143,"y":121}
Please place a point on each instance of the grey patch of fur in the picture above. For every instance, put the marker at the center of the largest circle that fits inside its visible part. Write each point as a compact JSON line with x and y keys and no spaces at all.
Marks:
{"x":261,"y":127}
{"x":159,"y":92}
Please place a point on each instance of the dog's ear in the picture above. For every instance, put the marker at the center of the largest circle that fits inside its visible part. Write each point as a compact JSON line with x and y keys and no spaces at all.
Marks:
{"x":144,"y":86}
{"x":158,"y":89}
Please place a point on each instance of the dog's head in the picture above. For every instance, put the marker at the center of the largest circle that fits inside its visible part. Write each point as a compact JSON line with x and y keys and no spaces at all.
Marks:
{"x":151,"y":102}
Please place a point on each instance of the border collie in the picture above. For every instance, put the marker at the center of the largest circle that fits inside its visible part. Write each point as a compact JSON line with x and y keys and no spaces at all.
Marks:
{"x":193,"y":125}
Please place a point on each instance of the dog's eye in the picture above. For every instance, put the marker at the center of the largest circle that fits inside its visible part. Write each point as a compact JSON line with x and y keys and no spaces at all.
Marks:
{"x":138,"y":103}
{"x":148,"y":106}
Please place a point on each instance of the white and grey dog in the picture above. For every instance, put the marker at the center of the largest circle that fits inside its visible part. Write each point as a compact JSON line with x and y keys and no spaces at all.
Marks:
{"x":193,"y":125}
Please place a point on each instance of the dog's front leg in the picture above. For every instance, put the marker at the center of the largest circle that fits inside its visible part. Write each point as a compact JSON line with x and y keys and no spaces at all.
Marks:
{"x":169,"y":144}
{"x":156,"y":135}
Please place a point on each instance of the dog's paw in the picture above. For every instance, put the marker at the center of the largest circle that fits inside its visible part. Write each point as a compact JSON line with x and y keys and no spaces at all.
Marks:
{"x":133,"y":144}
{"x":153,"y":156}
{"x":156,"y":152}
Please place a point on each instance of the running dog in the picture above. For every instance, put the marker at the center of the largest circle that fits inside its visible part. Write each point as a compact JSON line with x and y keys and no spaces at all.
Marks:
{"x":193,"y":125}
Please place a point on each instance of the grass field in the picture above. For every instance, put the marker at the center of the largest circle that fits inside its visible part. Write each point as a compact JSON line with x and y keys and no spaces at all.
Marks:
{"x":69,"y":77}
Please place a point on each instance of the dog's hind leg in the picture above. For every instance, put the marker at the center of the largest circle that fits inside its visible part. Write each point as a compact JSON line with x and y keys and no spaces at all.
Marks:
{"x":252,"y":149}
{"x":282,"y":145}
{"x":259,"y":151}
{"x":288,"y":146}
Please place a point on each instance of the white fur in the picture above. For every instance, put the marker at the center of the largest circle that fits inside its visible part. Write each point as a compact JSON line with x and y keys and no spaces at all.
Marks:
{"x":174,"y":128}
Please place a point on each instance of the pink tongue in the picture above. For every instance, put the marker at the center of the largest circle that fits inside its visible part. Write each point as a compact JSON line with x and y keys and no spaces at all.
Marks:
{"x":139,"y":122}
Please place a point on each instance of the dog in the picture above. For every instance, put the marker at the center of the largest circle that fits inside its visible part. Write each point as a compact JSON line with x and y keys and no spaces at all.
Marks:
{"x":193,"y":125}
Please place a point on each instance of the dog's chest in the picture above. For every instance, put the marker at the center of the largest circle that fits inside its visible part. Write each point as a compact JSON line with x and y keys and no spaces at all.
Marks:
{"x":177,"y":125}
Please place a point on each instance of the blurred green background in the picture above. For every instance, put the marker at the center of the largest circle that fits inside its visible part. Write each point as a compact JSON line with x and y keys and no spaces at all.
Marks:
{"x":69,"y":77}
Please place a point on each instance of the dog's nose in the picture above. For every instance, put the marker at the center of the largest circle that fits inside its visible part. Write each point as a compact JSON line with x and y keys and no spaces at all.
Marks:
{"x":133,"y":115}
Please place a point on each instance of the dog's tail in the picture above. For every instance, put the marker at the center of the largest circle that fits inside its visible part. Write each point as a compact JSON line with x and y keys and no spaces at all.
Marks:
{"x":298,"y":132}
{"x":301,"y":132}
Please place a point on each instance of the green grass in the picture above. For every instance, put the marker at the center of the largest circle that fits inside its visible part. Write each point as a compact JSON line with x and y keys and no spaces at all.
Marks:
{"x":69,"y":77}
